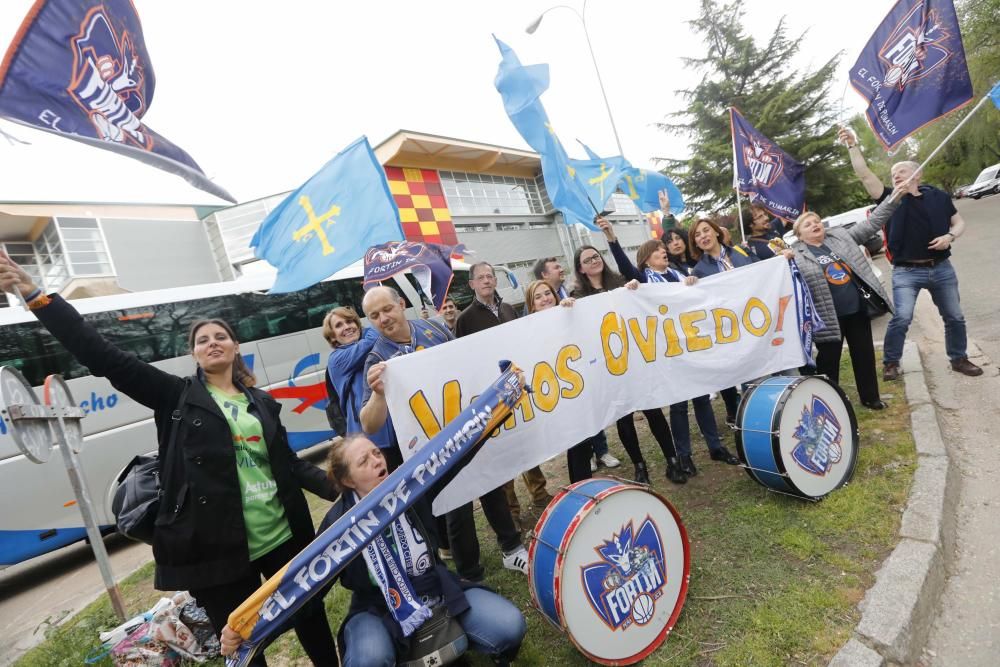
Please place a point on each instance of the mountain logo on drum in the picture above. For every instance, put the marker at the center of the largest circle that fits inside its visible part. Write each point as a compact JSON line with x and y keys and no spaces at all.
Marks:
{"x":624,"y":585}
{"x":819,"y":436}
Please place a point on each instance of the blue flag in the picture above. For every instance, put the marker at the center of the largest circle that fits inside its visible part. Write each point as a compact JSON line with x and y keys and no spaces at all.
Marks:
{"x":769,"y":176}
{"x":598,"y":177}
{"x":912,"y":70}
{"x":995,"y":95}
{"x":79,"y":69}
{"x":430,"y":264}
{"x":330,"y":221}
{"x":643,"y":186}
{"x":520,"y":87}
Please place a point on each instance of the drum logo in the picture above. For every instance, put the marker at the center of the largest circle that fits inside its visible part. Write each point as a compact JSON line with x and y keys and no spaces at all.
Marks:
{"x":818,"y":436}
{"x":625,"y":584}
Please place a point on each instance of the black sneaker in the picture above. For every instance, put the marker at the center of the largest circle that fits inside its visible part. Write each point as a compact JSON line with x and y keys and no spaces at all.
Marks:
{"x":724,"y":455}
{"x":674,"y":472}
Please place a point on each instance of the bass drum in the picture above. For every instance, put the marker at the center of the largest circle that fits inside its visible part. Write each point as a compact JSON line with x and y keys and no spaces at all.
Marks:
{"x":609,"y":566}
{"x":797,"y":435}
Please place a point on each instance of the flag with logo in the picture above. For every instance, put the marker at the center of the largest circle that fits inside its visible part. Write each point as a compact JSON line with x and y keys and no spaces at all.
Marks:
{"x":520,"y":87}
{"x":769,"y":176}
{"x":912,"y":71}
{"x":430,"y":264}
{"x":330,"y":221}
{"x":80,"y":69}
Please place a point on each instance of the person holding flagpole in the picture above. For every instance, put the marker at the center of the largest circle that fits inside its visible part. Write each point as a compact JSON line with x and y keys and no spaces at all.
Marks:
{"x":919,"y":237}
{"x":232,"y":507}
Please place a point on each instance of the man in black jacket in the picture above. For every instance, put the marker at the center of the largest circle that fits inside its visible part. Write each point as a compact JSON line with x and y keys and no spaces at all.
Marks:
{"x":488,"y":310}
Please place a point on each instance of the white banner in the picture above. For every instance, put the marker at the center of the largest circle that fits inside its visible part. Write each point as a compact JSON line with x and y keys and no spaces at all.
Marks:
{"x":608,"y":355}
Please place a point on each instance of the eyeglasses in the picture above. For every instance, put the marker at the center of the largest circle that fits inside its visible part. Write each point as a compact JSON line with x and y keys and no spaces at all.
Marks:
{"x":593,"y":259}
{"x":484,"y":278}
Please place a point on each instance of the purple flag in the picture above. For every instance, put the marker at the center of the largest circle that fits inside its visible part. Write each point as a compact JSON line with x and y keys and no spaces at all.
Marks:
{"x":429,"y":262}
{"x":79,"y":69}
{"x":913,"y":69}
{"x":769,"y":176}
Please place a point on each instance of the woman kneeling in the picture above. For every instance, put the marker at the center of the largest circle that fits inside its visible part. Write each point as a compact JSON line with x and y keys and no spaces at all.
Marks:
{"x":376,"y":632}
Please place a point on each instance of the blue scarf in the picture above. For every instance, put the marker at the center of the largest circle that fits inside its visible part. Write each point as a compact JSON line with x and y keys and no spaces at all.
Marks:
{"x":390,"y":566}
{"x":809,"y":320}
{"x":669,"y":276}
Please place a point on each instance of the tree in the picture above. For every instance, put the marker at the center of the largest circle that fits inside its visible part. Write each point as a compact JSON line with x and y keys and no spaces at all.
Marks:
{"x":792,"y":108}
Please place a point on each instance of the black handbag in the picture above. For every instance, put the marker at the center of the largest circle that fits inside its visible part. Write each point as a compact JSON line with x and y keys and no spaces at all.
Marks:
{"x":334,"y":414}
{"x":875,"y":306}
{"x":137,"y":498}
{"x":438,"y":641}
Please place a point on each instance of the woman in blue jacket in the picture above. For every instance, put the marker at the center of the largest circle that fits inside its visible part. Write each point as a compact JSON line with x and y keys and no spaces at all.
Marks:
{"x":345,"y":368}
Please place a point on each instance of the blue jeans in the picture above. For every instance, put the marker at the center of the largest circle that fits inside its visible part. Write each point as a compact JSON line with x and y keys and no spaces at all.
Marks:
{"x":940,"y":280}
{"x":680,"y":426}
{"x":599,"y":442}
{"x":492,"y":624}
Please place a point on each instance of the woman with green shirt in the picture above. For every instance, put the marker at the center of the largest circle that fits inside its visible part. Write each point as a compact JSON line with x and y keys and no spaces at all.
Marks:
{"x":232,"y":508}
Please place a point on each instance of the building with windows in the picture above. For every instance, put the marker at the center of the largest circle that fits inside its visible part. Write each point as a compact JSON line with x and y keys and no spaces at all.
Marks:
{"x":490,"y":198}
{"x":91,"y":249}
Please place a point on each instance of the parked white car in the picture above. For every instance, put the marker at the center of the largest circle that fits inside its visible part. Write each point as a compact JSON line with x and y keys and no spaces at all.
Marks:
{"x":987,"y":183}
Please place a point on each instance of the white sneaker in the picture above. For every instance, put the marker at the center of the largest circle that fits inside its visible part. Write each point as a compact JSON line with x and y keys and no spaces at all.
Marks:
{"x":517,"y":560}
{"x":609,"y":461}
{"x":593,"y":465}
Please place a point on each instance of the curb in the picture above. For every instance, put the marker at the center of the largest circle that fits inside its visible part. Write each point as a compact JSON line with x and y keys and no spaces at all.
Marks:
{"x":897,"y":611}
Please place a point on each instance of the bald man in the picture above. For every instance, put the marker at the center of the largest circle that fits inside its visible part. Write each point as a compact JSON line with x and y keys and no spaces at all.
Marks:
{"x":386,"y":311}
{"x":919,"y":236}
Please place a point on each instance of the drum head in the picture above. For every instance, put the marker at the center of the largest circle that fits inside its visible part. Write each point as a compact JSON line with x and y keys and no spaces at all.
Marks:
{"x":32,"y":436}
{"x":818,"y":437}
{"x":57,"y":394}
{"x":623,"y":575}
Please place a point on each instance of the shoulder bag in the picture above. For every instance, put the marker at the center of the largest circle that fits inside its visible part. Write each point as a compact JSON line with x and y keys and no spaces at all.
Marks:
{"x":438,"y":641}
{"x":137,"y":498}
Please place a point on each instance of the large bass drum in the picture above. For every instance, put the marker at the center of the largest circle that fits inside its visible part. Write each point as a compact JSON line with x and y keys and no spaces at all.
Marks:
{"x":797,"y":435}
{"x":609,"y":566}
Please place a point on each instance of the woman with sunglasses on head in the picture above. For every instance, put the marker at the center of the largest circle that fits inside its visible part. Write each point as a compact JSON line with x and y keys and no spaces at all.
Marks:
{"x":232,"y":508}
{"x":653,"y":260}
{"x":593,"y":276}
{"x":345,"y":366}
{"x":714,"y":256}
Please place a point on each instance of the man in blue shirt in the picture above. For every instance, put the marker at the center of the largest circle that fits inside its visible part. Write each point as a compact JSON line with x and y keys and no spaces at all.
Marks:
{"x":919,"y":237}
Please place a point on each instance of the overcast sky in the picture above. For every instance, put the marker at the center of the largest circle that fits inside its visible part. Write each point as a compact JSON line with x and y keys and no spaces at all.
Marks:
{"x":262,"y":94}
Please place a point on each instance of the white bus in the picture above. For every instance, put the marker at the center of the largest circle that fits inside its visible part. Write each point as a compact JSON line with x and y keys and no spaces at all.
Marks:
{"x":280,"y":338}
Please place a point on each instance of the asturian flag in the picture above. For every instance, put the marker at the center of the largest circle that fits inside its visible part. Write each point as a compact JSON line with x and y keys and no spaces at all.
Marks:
{"x":430,"y":264}
{"x":330,"y":221}
{"x":79,"y":69}
{"x":912,"y":71}
{"x":769,"y":176}
{"x":643,"y":186}
{"x":521,"y":87}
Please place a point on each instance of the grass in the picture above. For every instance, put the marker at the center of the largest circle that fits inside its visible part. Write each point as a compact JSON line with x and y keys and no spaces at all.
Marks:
{"x":774,"y":580}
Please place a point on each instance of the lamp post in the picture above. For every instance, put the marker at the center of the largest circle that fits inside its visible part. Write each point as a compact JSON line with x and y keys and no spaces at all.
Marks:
{"x":533,"y":26}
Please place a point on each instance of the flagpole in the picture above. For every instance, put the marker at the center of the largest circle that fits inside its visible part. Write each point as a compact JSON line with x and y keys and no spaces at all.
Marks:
{"x":736,"y":180}
{"x":954,"y":132}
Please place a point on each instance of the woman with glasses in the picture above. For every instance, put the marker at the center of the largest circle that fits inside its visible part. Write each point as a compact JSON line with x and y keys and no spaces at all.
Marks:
{"x":593,"y":276}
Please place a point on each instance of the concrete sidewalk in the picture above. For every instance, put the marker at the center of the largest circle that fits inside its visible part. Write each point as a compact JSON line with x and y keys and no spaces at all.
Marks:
{"x":935,"y":600}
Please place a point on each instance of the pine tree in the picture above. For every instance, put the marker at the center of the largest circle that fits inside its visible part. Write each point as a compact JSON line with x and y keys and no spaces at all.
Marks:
{"x":792,"y":108}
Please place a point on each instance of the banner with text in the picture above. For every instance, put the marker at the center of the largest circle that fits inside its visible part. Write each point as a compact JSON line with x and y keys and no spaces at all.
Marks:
{"x":608,"y":355}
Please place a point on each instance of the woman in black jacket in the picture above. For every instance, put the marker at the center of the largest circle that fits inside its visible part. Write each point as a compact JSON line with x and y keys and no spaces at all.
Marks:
{"x":232,"y":507}
{"x":374,"y":634}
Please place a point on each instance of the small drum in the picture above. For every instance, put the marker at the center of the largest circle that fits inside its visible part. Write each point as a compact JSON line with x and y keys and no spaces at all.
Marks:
{"x":797,"y":435}
{"x":609,"y":566}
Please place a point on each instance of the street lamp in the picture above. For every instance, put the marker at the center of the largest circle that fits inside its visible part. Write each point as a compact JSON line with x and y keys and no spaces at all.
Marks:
{"x":533,"y":26}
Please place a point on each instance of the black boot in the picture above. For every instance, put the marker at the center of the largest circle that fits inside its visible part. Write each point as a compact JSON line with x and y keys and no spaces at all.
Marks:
{"x":674,"y":472}
{"x":724,"y":455}
{"x":641,"y":474}
{"x":687,"y":466}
